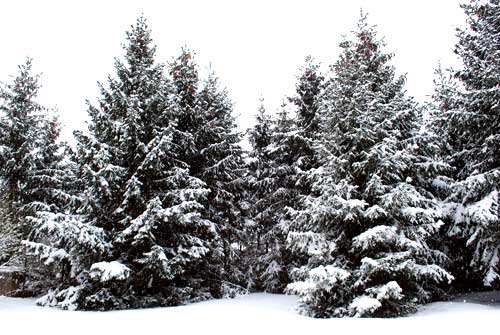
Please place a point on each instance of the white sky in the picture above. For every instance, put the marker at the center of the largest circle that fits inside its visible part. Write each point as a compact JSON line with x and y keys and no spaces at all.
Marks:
{"x":255,"y":47}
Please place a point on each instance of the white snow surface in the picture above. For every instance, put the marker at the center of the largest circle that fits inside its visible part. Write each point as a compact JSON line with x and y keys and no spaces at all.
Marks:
{"x":259,"y":313}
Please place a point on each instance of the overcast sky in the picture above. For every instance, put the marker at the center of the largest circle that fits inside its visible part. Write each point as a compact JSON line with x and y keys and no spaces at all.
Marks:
{"x":255,"y":47}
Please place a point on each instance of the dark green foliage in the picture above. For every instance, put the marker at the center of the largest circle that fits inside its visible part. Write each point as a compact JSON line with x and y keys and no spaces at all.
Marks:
{"x":32,"y":170}
{"x":281,"y":158}
{"x":467,"y":116}
{"x":20,"y":125}
{"x":223,"y":171}
{"x":363,"y":232}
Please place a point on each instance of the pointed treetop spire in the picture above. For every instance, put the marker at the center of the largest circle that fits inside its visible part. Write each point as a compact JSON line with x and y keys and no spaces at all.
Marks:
{"x":138,"y":46}
{"x":184,"y":72}
{"x":307,"y":89}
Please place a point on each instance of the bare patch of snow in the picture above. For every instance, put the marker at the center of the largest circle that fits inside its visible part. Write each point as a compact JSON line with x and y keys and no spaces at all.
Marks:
{"x":252,"y":314}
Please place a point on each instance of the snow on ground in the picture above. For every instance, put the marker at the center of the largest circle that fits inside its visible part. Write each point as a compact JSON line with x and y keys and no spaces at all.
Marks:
{"x":253,"y":314}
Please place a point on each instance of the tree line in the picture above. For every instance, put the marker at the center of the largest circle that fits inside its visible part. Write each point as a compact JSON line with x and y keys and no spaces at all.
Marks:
{"x":354,"y":196}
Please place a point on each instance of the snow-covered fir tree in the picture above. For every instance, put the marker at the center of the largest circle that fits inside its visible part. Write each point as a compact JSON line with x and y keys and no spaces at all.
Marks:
{"x":282,"y":156}
{"x":302,"y":138}
{"x":280,"y":197}
{"x":158,"y":230}
{"x":440,"y":146}
{"x":35,"y":183}
{"x":306,"y":131}
{"x":306,"y":100}
{"x":184,"y":73}
{"x":223,"y":170}
{"x":139,"y":238}
{"x":265,"y":266}
{"x":292,"y":156}
{"x":260,"y":134}
{"x":258,"y":184}
{"x":215,"y":156}
{"x":54,"y":173}
{"x":275,"y":194}
{"x":363,"y":233}
{"x":471,"y":126}
{"x":26,"y":159}
{"x":19,"y":126}
{"x":443,"y":113}
{"x":56,"y":195}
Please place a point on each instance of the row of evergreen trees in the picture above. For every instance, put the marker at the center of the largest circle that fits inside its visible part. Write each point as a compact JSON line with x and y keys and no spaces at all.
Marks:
{"x":354,"y":196}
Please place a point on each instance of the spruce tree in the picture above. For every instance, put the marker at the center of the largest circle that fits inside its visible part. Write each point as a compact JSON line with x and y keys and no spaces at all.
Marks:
{"x":260,"y":134}
{"x":214,"y":155}
{"x":19,"y":125}
{"x":292,"y":157}
{"x":139,"y":238}
{"x":35,"y":181}
{"x":159,"y":232}
{"x":276,"y":194}
{"x":54,"y":178}
{"x":185,"y":79}
{"x":282,"y":198}
{"x":477,"y":47}
{"x":363,"y":233}
{"x":305,"y":106}
{"x":283,"y":180}
{"x":20,"y":156}
{"x":223,"y":171}
{"x":259,"y":137}
{"x":264,"y":236}
{"x":471,"y":126}
{"x":308,"y":88}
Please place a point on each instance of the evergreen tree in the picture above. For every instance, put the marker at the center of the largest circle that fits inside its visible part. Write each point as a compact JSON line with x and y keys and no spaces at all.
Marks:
{"x":20,"y":157}
{"x":275,"y":193}
{"x":471,"y":126}
{"x":142,"y":208}
{"x":185,"y":79}
{"x":161,"y":236}
{"x":281,"y":198}
{"x":214,"y":156}
{"x":308,"y":89}
{"x":19,"y":125}
{"x":292,"y":156}
{"x":364,"y":231}
{"x":266,"y":262}
{"x":477,"y":47}
{"x":259,"y":164}
{"x":306,"y":132}
{"x":444,"y":114}
{"x":223,"y":170}
{"x":260,"y":135}
{"x":35,"y":181}
{"x":444,"y":144}
{"x":54,"y":178}
{"x":283,"y":180}
{"x":55,"y":196}
{"x":306,"y":100}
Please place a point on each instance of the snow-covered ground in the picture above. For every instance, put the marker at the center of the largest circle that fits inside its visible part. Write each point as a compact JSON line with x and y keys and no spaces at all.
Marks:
{"x":252,"y":314}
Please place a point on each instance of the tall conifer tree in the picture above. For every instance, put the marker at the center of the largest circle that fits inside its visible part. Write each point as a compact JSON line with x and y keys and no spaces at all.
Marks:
{"x":471,"y":125}
{"x":364,"y":233}
{"x":142,"y":209}
{"x":19,"y":155}
{"x":223,"y":170}
{"x":31,"y":159}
